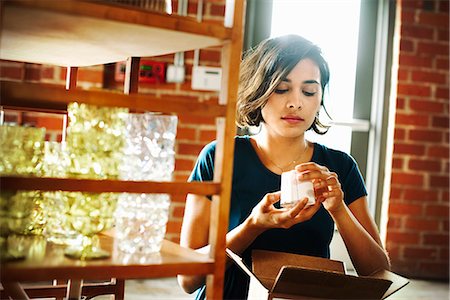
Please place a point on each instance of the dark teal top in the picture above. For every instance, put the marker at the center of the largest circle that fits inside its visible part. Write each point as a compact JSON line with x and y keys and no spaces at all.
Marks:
{"x":251,"y":181}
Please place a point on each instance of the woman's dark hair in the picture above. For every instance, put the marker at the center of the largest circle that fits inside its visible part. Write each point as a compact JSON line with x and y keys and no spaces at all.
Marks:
{"x":265,"y":66}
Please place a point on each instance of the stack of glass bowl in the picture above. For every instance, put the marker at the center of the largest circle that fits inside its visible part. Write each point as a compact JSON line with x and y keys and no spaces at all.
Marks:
{"x":95,"y":139}
{"x":21,"y":212}
{"x":149,"y":155}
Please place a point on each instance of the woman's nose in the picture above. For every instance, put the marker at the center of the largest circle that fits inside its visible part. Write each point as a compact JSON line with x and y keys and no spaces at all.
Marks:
{"x":295,"y":101}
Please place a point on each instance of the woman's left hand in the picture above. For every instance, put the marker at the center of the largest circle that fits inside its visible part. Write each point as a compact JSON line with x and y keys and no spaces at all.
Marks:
{"x":327,"y":187}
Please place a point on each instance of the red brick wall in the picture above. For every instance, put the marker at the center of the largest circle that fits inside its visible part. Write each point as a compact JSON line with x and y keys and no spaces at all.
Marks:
{"x":417,"y":232}
{"x":192,"y":132}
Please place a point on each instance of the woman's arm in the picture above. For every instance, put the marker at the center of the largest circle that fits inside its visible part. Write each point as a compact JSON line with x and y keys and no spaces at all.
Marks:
{"x":354,"y":223}
{"x":361,"y":237}
{"x":195,"y":227}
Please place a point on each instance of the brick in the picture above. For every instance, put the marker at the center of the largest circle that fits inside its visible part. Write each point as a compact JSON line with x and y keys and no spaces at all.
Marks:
{"x":210,"y":55}
{"x":442,"y":63}
{"x":192,"y":149}
{"x":407,"y":45}
{"x":422,"y":224}
{"x":184,"y":164}
{"x":48,"y":72}
{"x":437,"y":210}
{"x":408,"y":16}
{"x":217,"y":10}
{"x":397,"y":163}
{"x":443,"y":253}
{"x":443,"y":35}
{"x":407,"y":179}
{"x":416,"y":194}
{"x":425,"y":135}
{"x":405,"y":209}
{"x":411,"y":5}
{"x":443,"y":6}
{"x":394,"y":222}
{"x":393,"y":251}
{"x":442,"y":93}
{"x":411,"y":119}
{"x":424,"y":165}
{"x":48,"y":121}
{"x":426,"y":106}
{"x":445,"y":197}
{"x":11,"y":72}
{"x":437,"y":20}
{"x":439,"y":181}
{"x":428,"y":76}
{"x":432,"y":48}
{"x":396,"y":193}
{"x":438,"y":151}
{"x":207,"y":135}
{"x":403,"y":75}
{"x":32,"y":72}
{"x":417,"y":32}
{"x":184,"y":133}
{"x":414,"y":90}
{"x":445,"y":224}
{"x":189,"y":119}
{"x":404,"y":148}
{"x":400,"y":103}
{"x":436,"y":239}
{"x":414,"y":61}
{"x":420,"y":253}
{"x":399,"y":134}
{"x":406,"y":238}
{"x":442,"y":122}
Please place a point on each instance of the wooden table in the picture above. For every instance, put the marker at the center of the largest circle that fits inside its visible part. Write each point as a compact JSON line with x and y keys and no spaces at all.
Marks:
{"x":46,"y":261}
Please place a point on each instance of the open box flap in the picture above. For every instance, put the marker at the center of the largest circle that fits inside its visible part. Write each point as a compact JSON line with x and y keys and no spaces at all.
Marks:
{"x":238,"y":261}
{"x":398,"y":281}
{"x":294,"y":280}
{"x":266,"y":265}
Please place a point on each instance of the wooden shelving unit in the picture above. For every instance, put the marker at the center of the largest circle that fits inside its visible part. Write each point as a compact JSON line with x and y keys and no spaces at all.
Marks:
{"x":77,"y":33}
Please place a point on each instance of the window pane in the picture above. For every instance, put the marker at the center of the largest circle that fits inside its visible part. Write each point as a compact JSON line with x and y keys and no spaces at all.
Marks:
{"x":334,"y":26}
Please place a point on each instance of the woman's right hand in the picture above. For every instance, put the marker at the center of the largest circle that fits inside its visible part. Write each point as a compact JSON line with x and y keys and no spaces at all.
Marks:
{"x":265,"y":215}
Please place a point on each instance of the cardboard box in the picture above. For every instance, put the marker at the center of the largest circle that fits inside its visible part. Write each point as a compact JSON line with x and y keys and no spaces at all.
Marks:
{"x":292,"y":276}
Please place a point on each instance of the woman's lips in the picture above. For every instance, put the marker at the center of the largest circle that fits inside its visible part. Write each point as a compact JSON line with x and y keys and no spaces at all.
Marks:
{"x":292,"y":119}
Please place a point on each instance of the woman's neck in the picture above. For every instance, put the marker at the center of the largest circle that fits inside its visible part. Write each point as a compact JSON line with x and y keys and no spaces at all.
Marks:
{"x":281,"y":154}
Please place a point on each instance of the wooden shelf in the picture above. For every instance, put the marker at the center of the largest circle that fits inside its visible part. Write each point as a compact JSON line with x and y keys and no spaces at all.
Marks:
{"x":50,"y":263}
{"x":98,"y":186}
{"x":81,"y":33}
{"x":55,"y":97}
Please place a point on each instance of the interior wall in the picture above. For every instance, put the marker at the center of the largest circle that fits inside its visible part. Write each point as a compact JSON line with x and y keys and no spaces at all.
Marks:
{"x":418,"y":216}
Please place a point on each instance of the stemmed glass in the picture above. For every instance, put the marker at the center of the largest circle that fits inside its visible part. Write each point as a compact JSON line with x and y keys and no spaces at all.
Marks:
{"x":90,"y":214}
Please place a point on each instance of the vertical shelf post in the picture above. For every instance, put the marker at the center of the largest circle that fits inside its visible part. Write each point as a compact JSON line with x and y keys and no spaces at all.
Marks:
{"x":223,"y":165}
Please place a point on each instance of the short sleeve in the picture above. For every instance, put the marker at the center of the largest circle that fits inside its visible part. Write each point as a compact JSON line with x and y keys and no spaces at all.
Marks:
{"x":353,"y":182}
{"x":204,"y":166}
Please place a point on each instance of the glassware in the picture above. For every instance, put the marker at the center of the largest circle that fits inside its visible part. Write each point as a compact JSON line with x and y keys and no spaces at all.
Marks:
{"x":56,"y":159}
{"x":141,"y":222}
{"x":149,"y":148}
{"x":88,"y":215}
{"x":21,"y":150}
{"x":95,"y":138}
{"x":58,"y":229}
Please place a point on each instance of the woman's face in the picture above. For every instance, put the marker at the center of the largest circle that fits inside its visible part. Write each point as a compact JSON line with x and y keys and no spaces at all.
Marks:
{"x":292,"y":107}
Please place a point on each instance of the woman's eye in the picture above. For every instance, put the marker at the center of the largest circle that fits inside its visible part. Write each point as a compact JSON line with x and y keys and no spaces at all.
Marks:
{"x":309,"y":94}
{"x":281,"y":91}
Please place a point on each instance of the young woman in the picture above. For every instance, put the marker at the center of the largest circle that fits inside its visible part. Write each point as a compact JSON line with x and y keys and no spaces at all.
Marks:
{"x":282,"y":83}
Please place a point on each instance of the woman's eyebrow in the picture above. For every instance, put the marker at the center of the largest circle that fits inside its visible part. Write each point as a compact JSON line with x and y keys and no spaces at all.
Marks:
{"x":310,"y":81}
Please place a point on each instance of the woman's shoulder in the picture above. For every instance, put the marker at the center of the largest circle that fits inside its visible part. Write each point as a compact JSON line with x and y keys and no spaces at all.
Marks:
{"x":240,"y":142}
{"x":324,"y":153}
